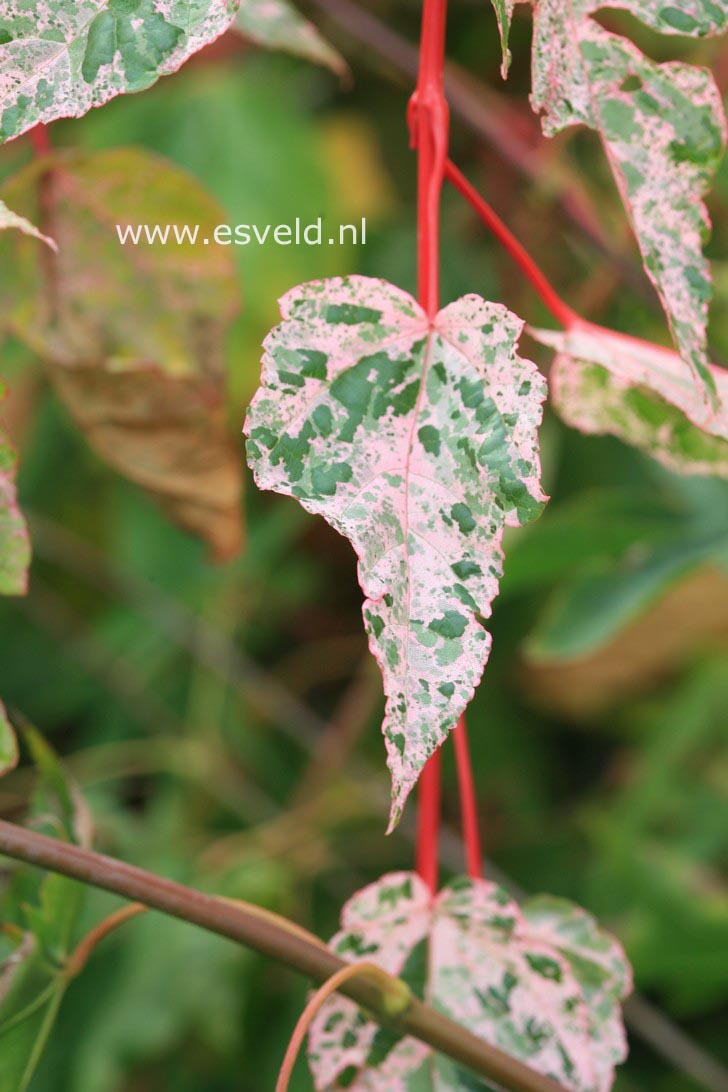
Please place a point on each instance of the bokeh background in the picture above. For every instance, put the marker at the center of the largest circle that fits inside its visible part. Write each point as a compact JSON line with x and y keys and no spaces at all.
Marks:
{"x":223,"y":720}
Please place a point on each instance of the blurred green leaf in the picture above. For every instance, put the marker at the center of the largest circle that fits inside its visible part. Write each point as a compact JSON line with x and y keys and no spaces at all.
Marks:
{"x":41,"y":927}
{"x":277,"y":24}
{"x":14,"y":542}
{"x":588,"y":612}
{"x":8,"y":743}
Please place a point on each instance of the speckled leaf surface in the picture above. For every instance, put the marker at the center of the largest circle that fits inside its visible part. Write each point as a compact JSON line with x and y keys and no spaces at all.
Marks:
{"x":542,"y":983}
{"x":419,"y":443}
{"x":58,"y":58}
{"x":278,"y":24}
{"x":663,"y":129}
{"x":135,"y":345}
{"x":14,"y":541}
{"x":9,"y":219}
{"x":604,"y":382}
{"x":8,"y":743}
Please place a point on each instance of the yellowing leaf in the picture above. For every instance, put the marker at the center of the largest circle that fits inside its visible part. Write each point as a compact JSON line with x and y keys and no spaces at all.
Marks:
{"x":277,"y":24}
{"x":418,"y":442}
{"x":58,"y":58}
{"x":134,"y":334}
{"x":542,"y":983}
{"x":604,"y":382}
{"x":663,"y":130}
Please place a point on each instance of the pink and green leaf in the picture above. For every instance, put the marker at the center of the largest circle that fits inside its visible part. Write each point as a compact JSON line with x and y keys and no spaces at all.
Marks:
{"x":418,"y":442}
{"x":59,"y":58}
{"x":604,"y":382}
{"x":278,"y":24}
{"x":504,"y":14}
{"x":663,"y":129}
{"x":542,"y":983}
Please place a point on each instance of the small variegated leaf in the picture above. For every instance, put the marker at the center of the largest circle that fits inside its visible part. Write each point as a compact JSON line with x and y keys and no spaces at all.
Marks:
{"x":543,"y":984}
{"x":504,"y":14}
{"x":278,"y":24}
{"x":14,"y":541}
{"x":604,"y":382}
{"x":9,"y":219}
{"x":663,"y":130}
{"x":418,"y":442}
{"x":58,"y":58}
{"x":8,"y":743}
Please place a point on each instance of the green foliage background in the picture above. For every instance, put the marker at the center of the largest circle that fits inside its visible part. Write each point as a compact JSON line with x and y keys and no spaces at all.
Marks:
{"x":599,"y":733}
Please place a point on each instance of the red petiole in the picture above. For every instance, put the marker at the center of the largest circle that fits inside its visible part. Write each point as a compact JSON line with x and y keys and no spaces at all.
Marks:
{"x":427,"y":117}
{"x":468,"y":802}
{"x":560,"y":310}
{"x":40,"y":140}
{"x":428,"y":124}
{"x":428,"y":822}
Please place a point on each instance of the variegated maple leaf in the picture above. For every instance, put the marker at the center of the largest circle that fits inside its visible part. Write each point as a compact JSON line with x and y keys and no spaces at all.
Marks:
{"x":543,"y":983}
{"x":604,"y":382}
{"x":418,"y":442}
{"x":58,"y":58}
{"x":663,"y":130}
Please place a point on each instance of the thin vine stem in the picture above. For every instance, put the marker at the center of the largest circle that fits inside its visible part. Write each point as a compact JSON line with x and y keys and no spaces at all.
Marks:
{"x":427,"y":118}
{"x":535,"y":276}
{"x":85,"y":948}
{"x":42,"y":147}
{"x":272,"y":936}
{"x":468,"y":802}
{"x":428,"y":124}
{"x":319,"y":999}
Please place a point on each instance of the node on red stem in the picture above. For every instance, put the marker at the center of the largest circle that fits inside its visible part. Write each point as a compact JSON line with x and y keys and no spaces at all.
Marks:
{"x":428,"y":124}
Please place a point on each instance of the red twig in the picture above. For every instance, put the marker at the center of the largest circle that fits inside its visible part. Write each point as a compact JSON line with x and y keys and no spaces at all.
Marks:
{"x":468,"y":802}
{"x":428,"y":822}
{"x":560,"y":310}
{"x":427,"y":117}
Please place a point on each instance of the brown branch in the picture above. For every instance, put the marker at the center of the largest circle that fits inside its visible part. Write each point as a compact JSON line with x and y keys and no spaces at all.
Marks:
{"x":280,"y":940}
{"x":304,"y":728}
